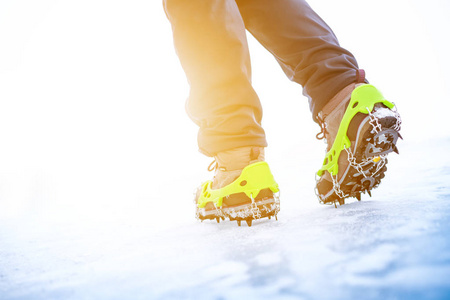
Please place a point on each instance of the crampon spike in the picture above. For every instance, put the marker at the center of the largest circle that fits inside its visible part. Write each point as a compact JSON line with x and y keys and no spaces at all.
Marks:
{"x":370,"y":193}
{"x":358,"y":196}
{"x":399,"y":135}
{"x":249,"y":222}
{"x":395,"y":149}
{"x":218,"y":220}
{"x":239,"y":222}
{"x":269,"y":217}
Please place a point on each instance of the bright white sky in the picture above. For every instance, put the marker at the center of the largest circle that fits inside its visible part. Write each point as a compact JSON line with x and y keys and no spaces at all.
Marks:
{"x":92,"y":94}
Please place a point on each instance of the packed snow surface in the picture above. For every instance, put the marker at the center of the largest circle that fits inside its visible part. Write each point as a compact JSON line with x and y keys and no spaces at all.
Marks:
{"x":98,"y":164}
{"x":392,"y":246}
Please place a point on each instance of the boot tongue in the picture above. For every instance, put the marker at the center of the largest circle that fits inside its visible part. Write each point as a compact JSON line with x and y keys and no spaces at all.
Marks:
{"x":239,"y":158}
{"x":232,"y":162}
{"x":255,"y":153}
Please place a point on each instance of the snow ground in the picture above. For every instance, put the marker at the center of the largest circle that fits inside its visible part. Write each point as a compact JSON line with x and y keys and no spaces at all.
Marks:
{"x":95,"y":193}
{"x":392,"y":246}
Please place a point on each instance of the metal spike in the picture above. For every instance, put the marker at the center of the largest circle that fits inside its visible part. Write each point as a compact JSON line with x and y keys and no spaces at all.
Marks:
{"x":370,"y":193}
{"x":358,"y":196}
{"x":249,"y":222}
{"x":218,"y":220}
{"x":269,"y":217}
{"x":399,"y":135}
{"x":276,"y":217}
{"x":395,"y":149}
{"x":239,"y":222}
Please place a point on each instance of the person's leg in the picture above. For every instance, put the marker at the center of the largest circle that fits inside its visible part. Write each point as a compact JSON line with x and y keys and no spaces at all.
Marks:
{"x":303,"y":44}
{"x":210,"y":40}
{"x":211,"y":43}
{"x":359,"y":124}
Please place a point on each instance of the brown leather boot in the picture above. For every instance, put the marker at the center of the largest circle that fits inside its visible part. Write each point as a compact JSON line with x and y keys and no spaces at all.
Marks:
{"x":243,"y":188}
{"x":360,"y":128}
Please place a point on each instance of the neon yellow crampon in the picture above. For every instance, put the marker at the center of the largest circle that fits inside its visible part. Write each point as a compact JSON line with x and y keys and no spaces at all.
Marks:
{"x":363,"y":100}
{"x":253,"y":179}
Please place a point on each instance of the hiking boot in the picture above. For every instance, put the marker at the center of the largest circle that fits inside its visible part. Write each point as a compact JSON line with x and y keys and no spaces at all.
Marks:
{"x":361,"y":127}
{"x":243,"y":188}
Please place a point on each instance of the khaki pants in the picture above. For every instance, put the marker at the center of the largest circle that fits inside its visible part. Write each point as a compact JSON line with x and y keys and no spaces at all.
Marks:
{"x":210,"y":40}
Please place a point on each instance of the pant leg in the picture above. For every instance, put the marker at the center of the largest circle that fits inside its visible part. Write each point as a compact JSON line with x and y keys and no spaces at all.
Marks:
{"x":210,"y":40}
{"x":303,"y":44}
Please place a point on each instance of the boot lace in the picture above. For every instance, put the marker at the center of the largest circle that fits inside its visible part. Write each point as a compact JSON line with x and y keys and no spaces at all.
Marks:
{"x":360,"y":78}
{"x":323,"y":129}
{"x":213,"y":166}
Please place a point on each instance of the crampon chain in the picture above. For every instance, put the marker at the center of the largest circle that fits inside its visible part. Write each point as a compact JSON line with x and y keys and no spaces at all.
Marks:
{"x":368,"y":170}
{"x":265,"y":208}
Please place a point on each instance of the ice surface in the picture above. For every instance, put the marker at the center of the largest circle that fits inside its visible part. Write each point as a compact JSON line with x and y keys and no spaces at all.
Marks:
{"x":98,"y":164}
{"x":392,"y":246}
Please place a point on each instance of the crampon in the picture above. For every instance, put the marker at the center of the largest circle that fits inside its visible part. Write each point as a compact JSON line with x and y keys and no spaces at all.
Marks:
{"x":252,"y":196}
{"x":357,"y":160}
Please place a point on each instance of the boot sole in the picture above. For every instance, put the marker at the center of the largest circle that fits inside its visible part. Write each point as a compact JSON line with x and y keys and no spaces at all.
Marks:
{"x":267,"y":205}
{"x":370,"y":153}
